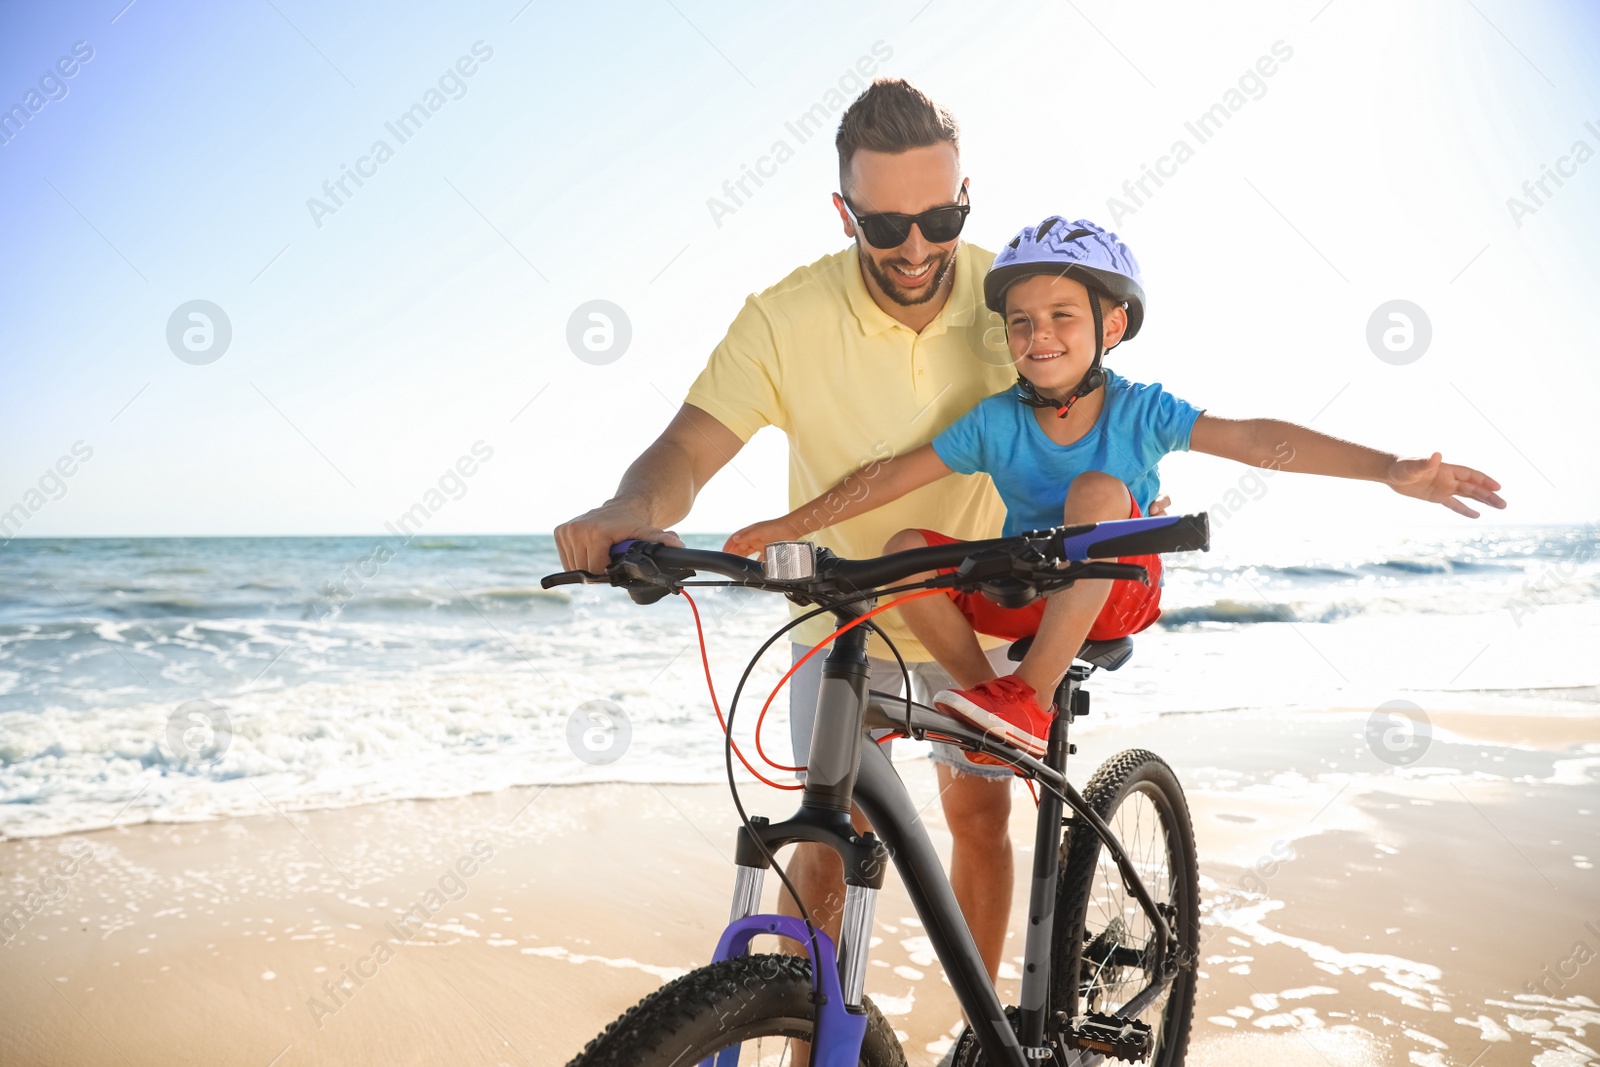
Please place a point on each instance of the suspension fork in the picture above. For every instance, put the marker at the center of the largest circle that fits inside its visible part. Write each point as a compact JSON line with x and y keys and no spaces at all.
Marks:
{"x":824,"y":816}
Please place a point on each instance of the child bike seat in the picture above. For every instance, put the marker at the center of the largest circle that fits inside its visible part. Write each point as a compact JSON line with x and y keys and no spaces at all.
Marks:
{"x":1108,"y":654}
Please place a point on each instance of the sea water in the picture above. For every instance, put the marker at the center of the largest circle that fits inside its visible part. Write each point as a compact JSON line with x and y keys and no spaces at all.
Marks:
{"x":337,"y":671}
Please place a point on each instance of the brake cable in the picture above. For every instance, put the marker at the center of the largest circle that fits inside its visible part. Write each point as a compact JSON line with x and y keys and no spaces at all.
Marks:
{"x":852,"y":624}
{"x":705,"y":661}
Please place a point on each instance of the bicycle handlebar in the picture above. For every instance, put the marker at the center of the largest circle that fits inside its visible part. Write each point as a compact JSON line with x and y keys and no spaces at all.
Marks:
{"x":640,"y":565}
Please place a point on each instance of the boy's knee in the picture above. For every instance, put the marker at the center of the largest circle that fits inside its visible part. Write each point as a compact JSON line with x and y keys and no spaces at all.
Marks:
{"x":904,"y":540}
{"x":1098,"y":495}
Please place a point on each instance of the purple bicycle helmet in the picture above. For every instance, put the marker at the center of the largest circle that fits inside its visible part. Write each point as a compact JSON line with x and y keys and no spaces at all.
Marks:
{"x":1082,"y":251}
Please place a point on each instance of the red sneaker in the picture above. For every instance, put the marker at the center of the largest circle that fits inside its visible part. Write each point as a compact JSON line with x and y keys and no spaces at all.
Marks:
{"x":1006,"y":707}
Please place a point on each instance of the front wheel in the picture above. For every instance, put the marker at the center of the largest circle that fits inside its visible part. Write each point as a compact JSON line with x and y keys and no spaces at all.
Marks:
{"x":756,"y":1004}
{"x":1104,"y":943}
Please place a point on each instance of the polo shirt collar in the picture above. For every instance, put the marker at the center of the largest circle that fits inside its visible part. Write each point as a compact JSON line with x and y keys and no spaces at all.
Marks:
{"x":960,"y":309}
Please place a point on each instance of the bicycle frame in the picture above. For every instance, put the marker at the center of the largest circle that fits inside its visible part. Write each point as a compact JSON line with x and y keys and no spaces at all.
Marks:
{"x":844,"y":766}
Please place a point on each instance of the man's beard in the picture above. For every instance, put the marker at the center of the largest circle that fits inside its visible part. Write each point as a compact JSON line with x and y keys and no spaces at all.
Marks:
{"x":886,"y":279}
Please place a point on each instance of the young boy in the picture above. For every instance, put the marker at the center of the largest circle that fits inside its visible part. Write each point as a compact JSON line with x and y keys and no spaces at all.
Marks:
{"x":1073,"y":443}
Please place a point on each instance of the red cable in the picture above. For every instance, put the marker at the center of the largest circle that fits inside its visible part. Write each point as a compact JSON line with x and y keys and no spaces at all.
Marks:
{"x":706,"y":663}
{"x":852,"y":624}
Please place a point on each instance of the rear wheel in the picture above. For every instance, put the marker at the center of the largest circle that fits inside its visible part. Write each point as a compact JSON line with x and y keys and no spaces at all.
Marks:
{"x":1104,"y":943}
{"x":755,"y":1003}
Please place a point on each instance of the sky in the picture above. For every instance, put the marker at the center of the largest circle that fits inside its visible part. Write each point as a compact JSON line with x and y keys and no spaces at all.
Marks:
{"x":381,"y":336}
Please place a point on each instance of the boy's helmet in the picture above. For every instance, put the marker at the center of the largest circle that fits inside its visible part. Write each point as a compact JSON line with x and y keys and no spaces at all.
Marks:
{"x":1080,"y":250}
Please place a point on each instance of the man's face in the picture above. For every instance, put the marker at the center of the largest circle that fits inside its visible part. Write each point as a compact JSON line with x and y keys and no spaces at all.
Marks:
{"x":909,"y":182}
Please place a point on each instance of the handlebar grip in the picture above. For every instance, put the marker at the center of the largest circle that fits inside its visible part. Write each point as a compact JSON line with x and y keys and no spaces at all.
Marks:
{"x":622,"y":546}
{"x":1145,"y":536}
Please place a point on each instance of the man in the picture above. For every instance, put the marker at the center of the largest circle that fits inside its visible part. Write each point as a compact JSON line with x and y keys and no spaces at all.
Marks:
{"x":866,"y":353}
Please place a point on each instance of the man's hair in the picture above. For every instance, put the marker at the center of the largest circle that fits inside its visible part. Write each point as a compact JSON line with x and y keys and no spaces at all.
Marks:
{"x":892,"y":116}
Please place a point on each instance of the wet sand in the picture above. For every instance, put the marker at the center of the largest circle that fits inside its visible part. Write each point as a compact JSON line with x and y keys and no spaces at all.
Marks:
{"x":1443,"y":912}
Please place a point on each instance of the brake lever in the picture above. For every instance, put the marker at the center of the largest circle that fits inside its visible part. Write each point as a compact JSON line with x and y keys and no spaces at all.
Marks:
{"x":640,"y":591}
{"x":550,"y":581}
{"x":1132,"y":572}
{"x":631,"y":569}
{"x":645,"y":580}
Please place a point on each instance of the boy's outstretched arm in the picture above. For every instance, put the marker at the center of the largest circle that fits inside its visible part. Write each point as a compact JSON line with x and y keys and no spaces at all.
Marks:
{"x":1286,"y":446}
{"x":873,"y":486}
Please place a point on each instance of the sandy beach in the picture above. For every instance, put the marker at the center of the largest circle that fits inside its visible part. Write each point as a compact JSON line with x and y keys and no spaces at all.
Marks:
{"x":1447,"y":912}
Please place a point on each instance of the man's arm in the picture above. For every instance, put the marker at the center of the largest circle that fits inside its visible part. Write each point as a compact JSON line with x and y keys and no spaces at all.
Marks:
{"x":1287,"y":446}
{"x":657,"y":490}
{"x":861,"y":491}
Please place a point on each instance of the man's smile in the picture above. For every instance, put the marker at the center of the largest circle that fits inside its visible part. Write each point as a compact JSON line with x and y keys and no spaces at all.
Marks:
{"x":914,"y":274}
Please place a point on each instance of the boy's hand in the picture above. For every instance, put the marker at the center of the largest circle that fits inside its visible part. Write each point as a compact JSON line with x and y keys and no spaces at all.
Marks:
{"x":1433,"y":479}
{"x":757,"y":536}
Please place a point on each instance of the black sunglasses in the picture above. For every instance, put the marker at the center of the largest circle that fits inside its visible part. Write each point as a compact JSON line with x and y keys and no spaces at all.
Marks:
{"x":891,"y":229}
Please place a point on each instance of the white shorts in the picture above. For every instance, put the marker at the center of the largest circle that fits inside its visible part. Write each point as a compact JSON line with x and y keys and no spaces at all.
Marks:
{"x":883,"y":675}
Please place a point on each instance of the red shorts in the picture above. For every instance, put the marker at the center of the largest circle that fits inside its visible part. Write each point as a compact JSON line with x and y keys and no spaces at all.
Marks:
{"x":1129,"y":608}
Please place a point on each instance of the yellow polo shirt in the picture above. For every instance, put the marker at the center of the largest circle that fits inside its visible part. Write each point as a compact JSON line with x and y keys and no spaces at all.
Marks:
{"x":817,"y":358}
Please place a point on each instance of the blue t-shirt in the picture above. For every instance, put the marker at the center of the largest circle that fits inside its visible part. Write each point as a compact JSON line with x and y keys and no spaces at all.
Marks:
{"x":1000,"y":437}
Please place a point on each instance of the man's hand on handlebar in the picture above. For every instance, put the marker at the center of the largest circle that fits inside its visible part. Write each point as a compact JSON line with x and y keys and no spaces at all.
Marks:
{"x":585,"y":542}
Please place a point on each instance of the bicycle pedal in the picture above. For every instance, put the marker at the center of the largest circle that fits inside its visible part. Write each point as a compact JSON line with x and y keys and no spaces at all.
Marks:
{"x":1112,"y":1035}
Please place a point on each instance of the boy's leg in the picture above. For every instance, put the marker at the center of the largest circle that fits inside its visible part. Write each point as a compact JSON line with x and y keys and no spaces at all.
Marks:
{"x":940,"y":626}
{"x":1068,"y":615}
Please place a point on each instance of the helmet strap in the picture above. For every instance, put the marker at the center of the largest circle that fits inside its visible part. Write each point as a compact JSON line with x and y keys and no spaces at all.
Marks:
{"x":1093,"y":379}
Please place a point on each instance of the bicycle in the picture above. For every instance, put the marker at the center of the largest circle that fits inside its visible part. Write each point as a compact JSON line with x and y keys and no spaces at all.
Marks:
{"x":1109,"y":963}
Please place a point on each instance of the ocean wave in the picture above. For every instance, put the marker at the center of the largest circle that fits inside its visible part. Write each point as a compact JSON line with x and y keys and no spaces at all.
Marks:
{"x":1246,"y":612}
{"x":384,"y":603}
{"x":1413,"y":565}
{"x":521,"y":594}
{"x":1431,"y":565}
{"x":1401,"y":568}
{"x":239,"y":603}
{"x":265,"y":586}
{"x":492,"y":600}
{"x":1316,"y":573}
{"x":185,"y":607}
